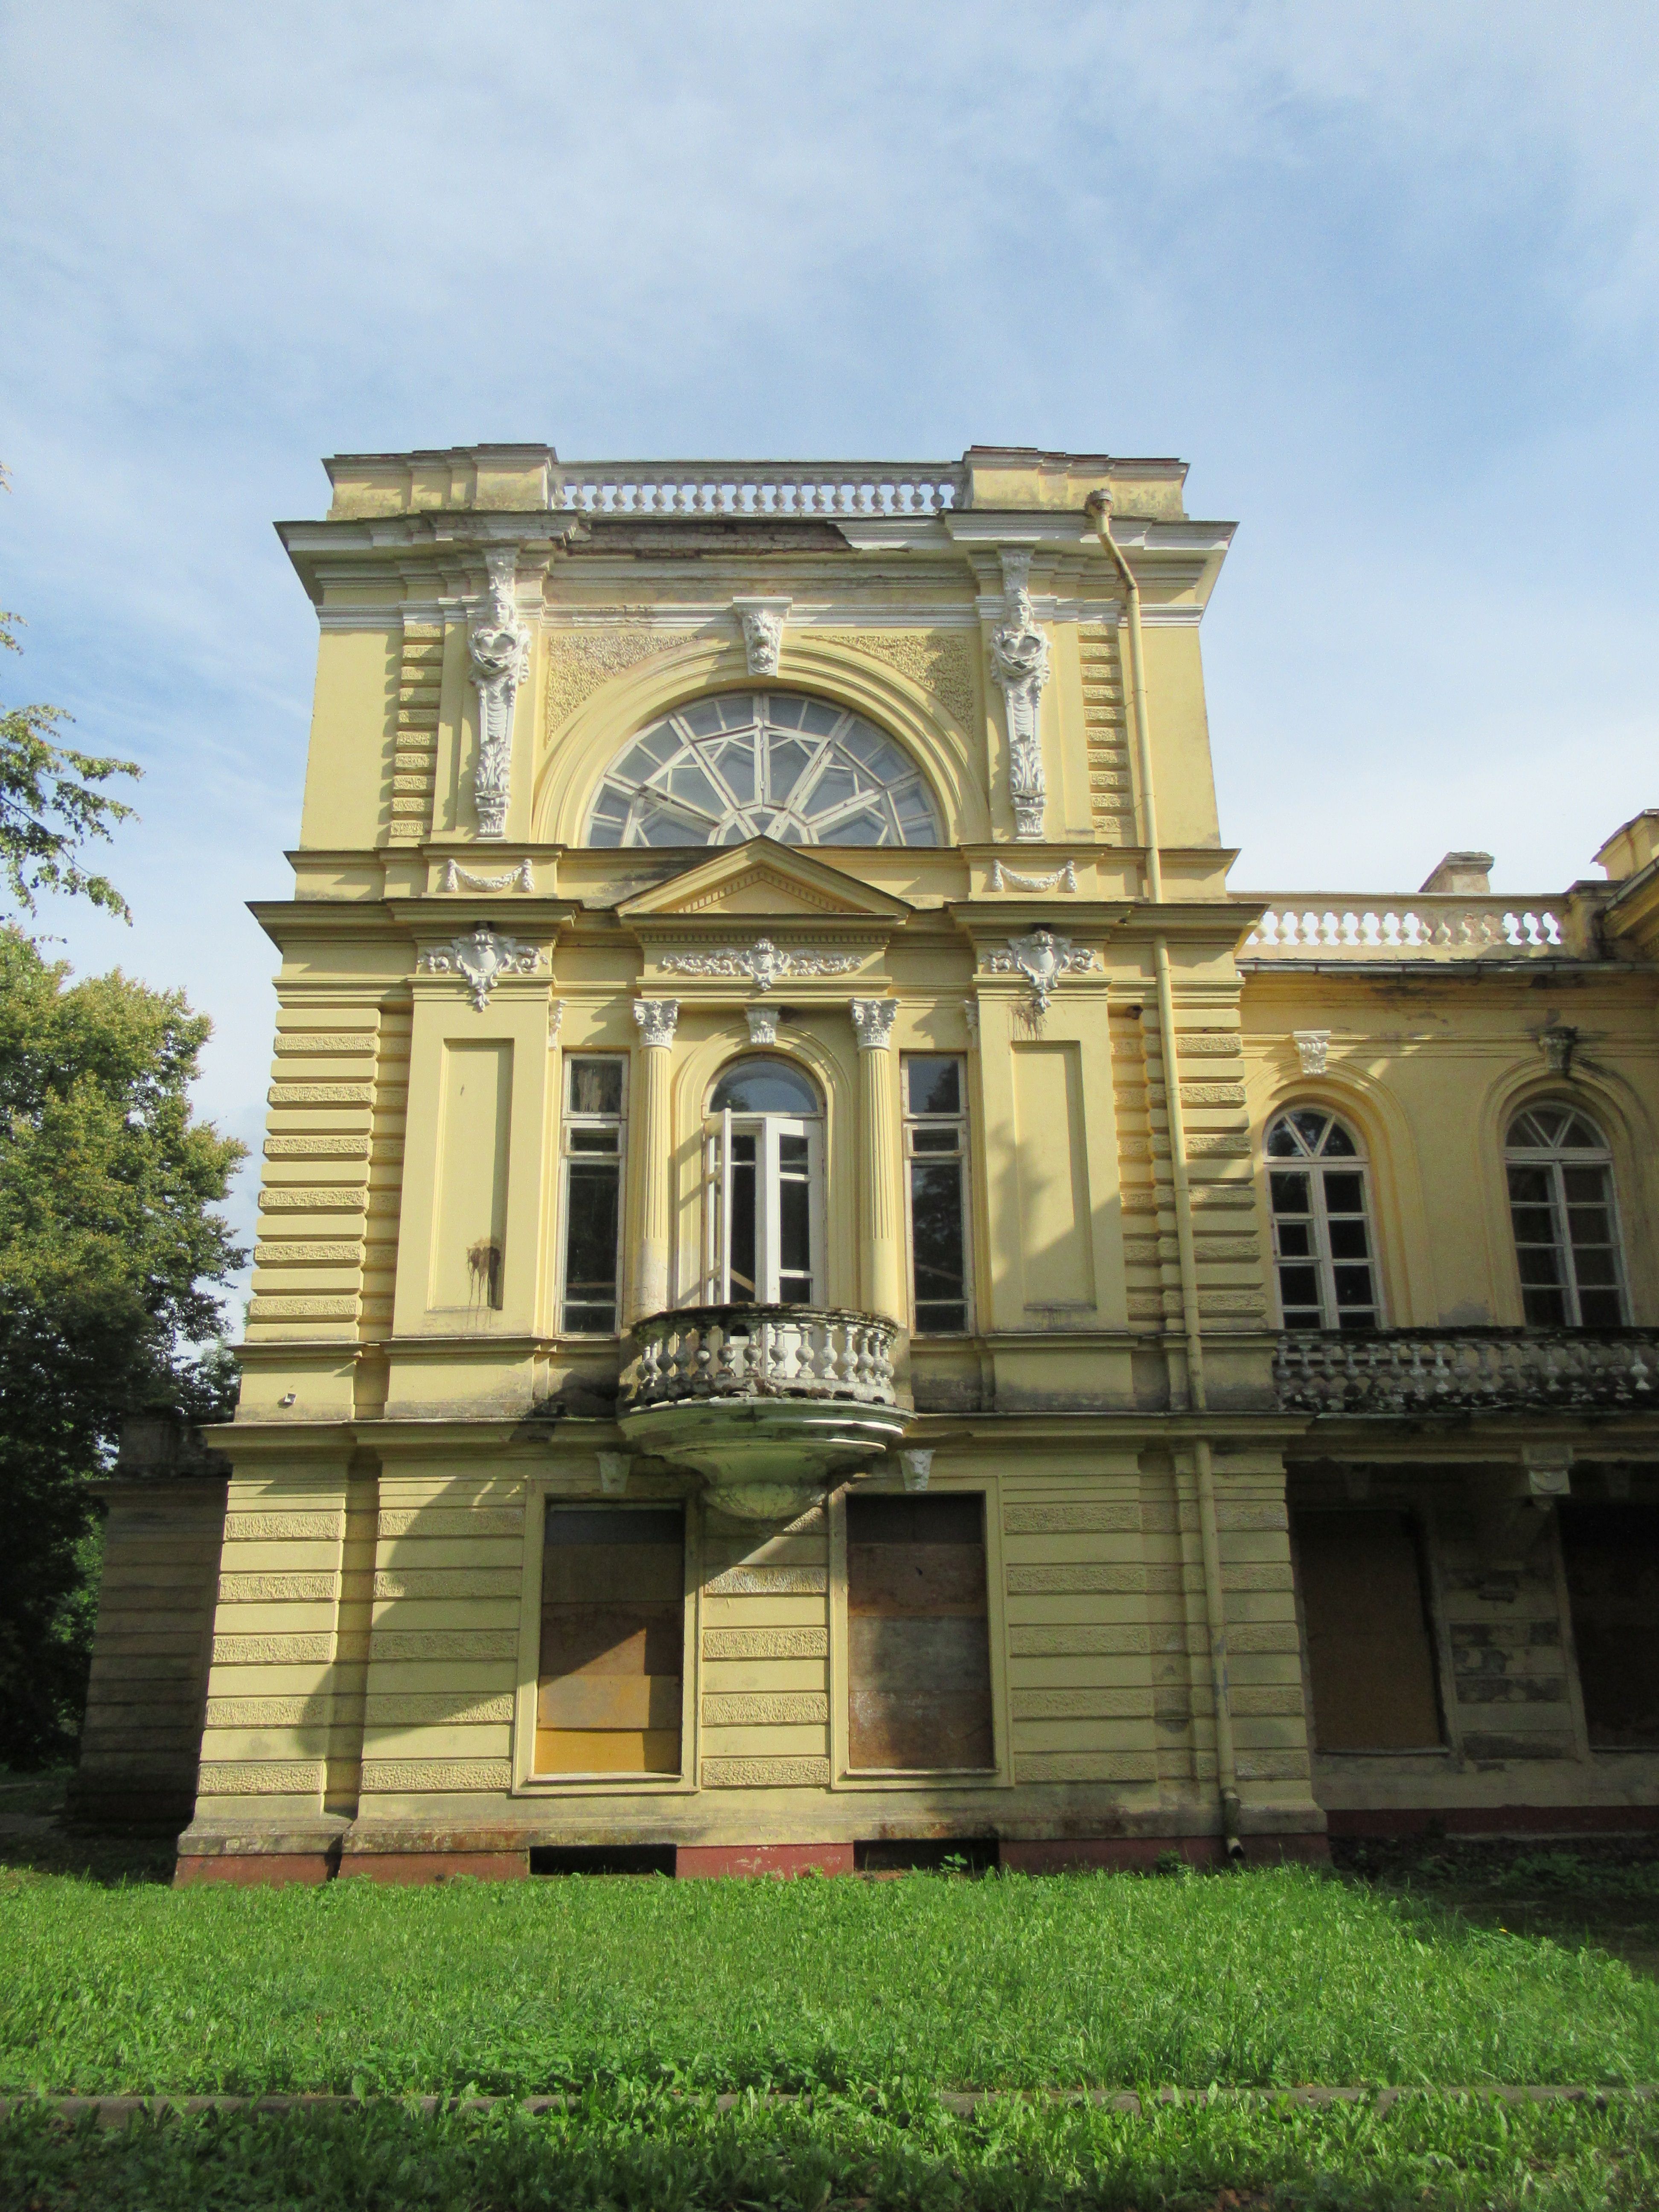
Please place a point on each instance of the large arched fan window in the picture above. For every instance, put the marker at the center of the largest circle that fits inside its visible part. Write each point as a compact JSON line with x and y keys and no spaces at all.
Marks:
{"x":763,"y":764}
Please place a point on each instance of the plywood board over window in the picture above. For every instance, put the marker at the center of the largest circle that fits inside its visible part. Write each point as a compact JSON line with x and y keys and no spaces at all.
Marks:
{"x":608,"y":1698}
{"x":1611,"y":1553}
{"x":919,"y":1666}
{"x":1369,"y":1649}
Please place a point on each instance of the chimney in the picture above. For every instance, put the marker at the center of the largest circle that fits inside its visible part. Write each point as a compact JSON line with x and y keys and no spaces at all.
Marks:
{"x":1463,"y":872}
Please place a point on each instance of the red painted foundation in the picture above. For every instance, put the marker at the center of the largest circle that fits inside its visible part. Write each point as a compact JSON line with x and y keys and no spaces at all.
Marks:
{"x":436,"y":1866}
{"x":1497,"y":1820}
{"x":254,"y":1870}
{"x":694,"y":1860}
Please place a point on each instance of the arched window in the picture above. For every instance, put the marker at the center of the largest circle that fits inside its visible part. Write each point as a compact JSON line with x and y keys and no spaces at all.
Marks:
{"x":763,"y":1185}
{"x":1567,"y":1233}
{"x":763,"y":764}
{"x":1321,"y":1224}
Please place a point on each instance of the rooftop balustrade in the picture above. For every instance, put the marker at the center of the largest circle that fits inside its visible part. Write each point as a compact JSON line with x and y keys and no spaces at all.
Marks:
{"x":794,"y":488}
{"x":1427,"y":1371}
{"x":1338,"y":926}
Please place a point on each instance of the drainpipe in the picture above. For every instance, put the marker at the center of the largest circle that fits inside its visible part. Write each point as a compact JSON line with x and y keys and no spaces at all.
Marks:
{"x":1099,"y":509}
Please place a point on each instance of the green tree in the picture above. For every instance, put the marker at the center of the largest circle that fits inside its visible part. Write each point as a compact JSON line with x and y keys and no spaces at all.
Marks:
{"x":49,"y":803}
{"x":109,"y":1253}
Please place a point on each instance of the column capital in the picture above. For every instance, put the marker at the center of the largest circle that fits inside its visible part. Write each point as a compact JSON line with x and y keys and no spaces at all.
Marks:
{"x":873,"y":1020}
{"x":657,"y":1019}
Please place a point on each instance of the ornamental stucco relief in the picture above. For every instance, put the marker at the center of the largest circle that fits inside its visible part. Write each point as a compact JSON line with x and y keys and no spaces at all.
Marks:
{"x":934,"y":660}
{"x":499,"y":645}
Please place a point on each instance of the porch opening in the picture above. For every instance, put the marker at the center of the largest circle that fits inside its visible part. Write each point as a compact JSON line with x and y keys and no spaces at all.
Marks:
{"x":1370,"y":1650}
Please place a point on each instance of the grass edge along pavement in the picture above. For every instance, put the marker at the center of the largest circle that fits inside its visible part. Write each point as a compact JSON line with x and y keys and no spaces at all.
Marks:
{"x":1464,"y":2152}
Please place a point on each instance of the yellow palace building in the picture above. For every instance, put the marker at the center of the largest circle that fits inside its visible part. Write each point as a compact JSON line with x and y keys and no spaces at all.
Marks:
{"x":826,"y":1291}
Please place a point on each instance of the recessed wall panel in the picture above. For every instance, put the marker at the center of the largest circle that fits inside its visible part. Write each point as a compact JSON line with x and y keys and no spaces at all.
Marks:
{"x":469,"y":1249}
{"x":1053,"y":1170}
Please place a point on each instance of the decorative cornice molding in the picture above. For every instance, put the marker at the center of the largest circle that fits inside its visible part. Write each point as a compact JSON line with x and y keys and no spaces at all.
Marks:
{"x":499,"y":645}
{"x":658,"y":1018}
{"x":482,"y":958}
{"x":763,"y":962}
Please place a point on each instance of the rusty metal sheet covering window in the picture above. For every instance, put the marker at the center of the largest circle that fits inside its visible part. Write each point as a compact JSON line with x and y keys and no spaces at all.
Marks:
{"x":919,"y":1666}
{"x":608,"y":1699}
{"x":1612,"y":1557}
{"x":1370,"y":1651}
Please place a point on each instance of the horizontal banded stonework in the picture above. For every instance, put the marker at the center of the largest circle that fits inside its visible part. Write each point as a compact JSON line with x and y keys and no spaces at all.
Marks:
{"x":766,"y":1598}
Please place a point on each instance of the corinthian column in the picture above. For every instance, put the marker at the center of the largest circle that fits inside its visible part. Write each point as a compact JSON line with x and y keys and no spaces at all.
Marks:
{"x":881,"y":1282}
{"x":657,"y":1019}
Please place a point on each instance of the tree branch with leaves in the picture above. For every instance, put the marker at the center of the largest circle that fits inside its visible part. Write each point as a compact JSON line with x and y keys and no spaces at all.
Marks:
{"x":50,"y":803}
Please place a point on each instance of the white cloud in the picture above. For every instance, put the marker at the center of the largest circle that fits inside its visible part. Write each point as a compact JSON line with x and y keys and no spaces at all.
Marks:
{"x":1386,"y":273}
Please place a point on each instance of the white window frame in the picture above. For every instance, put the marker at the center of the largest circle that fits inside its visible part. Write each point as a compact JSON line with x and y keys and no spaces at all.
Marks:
{"x":719,"y":1130}
{"x":1321,"y":1259}
{"x":569,"y":1122}
{"x":958,"y":1121}
{"x":1554,"y":1160}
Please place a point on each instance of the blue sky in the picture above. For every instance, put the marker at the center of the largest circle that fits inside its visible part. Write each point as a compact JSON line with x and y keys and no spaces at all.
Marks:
{"x":1387,"y":275}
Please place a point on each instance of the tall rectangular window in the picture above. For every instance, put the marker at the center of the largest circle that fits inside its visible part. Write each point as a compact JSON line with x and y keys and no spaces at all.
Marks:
{"x":592,"y":1148}
{"x":936,"y":1163}
{"x":613,"y":1609}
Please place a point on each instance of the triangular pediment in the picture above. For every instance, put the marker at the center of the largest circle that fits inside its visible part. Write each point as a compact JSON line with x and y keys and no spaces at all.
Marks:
{"x":765,"y":881}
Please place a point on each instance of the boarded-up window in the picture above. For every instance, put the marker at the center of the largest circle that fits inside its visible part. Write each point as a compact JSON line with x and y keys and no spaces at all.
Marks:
{"x":608,"y":1699}
{"x":1612,"y":1557}
{"x":1370,"y":1651}
{"x":919,"y":1662}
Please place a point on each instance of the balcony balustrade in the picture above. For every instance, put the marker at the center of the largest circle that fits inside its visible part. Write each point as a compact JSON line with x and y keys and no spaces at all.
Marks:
{"x":766,"y":1402}
{"x":1429,"y":1371}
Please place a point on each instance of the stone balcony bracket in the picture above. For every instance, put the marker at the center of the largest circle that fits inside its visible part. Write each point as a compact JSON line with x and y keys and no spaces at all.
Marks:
{"x":766,"y":1403}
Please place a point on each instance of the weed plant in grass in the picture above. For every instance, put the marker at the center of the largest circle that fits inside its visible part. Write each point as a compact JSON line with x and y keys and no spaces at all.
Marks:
{"x":642,"y":2148}
{"x":1275,"y":1976}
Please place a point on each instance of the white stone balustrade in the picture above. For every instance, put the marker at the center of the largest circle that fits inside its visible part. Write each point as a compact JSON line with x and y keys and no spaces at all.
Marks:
{"x":780,"y":488}
{"x":1327,"y":926}
{"x":761,"y":1352}
{"x":1426,"y":1371}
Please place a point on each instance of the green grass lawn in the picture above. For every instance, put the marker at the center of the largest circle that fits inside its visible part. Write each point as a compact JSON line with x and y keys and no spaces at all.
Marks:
{"x":647,"y":1996}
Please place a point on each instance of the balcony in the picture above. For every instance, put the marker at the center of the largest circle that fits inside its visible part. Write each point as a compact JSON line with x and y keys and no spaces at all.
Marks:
{"x":1423,"y":1372}
{"x":765,"y":1402}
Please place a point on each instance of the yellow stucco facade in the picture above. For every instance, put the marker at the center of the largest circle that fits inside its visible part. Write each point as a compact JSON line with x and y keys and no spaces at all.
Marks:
{"x":952,"y":1433}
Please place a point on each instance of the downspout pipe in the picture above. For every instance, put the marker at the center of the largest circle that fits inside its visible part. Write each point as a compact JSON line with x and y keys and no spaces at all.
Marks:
{"x":1099,"y":510}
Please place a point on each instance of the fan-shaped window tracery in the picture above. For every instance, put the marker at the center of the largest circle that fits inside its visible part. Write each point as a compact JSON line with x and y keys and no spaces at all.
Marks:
{"x":763,"y":764}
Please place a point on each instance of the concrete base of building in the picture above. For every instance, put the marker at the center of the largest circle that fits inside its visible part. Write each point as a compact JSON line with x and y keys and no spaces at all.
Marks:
{"x":1080,"y":1853}
{"x":415,"y":1867}
{"x":416,"y":1854}
{"x":1496,"y":1821}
